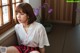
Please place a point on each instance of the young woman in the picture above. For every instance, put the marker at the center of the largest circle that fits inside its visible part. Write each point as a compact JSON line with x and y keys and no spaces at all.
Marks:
{"x":31,"y":35}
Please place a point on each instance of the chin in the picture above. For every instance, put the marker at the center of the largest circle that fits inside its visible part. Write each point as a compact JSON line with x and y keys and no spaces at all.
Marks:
{"x":20,"y":22}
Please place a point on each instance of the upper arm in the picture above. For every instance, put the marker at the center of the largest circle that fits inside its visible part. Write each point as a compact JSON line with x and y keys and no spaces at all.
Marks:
{"x":43,"y":38}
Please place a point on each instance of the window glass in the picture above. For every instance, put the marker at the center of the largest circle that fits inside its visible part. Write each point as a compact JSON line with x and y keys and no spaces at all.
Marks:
{"x":12,"y":1}
{"x":13,"y":11}
{"x":4,"y":2}
{"x":5,"y":14}
{"x":17,"y":0}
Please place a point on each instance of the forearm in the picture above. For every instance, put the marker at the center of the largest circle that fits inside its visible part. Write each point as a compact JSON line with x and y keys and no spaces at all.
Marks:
{"x":42,"y":50}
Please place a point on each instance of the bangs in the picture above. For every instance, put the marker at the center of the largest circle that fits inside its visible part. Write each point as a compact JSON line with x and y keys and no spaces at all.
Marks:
{"x":18,"y":9}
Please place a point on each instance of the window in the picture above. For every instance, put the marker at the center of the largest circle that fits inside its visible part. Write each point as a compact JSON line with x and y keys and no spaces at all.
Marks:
{"x":7,"y":14}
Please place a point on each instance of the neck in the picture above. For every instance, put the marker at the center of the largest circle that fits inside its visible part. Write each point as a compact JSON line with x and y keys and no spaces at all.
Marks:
{"x":25,"y":24}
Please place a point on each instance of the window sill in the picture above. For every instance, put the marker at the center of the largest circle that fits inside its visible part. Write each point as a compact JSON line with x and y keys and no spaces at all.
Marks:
{"x":6,"y":35}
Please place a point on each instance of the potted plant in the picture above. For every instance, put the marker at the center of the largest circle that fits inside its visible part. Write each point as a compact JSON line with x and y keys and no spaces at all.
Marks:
{"x":48,"y":26}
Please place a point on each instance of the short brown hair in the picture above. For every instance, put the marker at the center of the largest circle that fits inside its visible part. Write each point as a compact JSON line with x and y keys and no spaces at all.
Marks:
{"x":27,"y":8}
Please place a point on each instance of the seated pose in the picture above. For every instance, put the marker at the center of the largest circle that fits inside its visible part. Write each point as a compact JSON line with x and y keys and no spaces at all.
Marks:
{"x":31,"y":35}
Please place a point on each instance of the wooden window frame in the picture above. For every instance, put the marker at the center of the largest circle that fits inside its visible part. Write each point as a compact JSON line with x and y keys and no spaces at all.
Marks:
{"x":11,"y":22}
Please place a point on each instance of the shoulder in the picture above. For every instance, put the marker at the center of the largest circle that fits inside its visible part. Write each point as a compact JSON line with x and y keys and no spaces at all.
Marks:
{"x":17,"y":26}
{"x":38,"y":25}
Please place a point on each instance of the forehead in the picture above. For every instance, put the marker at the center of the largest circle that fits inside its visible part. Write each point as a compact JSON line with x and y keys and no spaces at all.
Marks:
{"x":18,"y":10}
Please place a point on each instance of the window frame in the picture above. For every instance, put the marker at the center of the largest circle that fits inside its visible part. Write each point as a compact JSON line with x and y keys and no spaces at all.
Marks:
{"x":11,"y":22}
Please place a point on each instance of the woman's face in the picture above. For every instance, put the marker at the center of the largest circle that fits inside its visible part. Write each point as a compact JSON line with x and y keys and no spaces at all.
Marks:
{"x":22,"y":17}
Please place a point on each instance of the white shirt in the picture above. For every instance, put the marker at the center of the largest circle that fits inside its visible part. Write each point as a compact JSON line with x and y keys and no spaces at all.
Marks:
{"x":34,"y":37}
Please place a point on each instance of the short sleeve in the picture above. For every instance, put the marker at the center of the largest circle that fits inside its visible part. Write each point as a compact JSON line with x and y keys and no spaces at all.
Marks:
{"x":43,"y":39}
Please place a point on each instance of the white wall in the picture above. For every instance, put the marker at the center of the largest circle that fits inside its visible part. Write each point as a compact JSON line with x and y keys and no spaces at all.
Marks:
{"x":35,"y":4}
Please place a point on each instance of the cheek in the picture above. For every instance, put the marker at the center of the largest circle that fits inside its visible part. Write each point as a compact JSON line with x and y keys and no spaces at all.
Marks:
{"x":23,"y":18}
